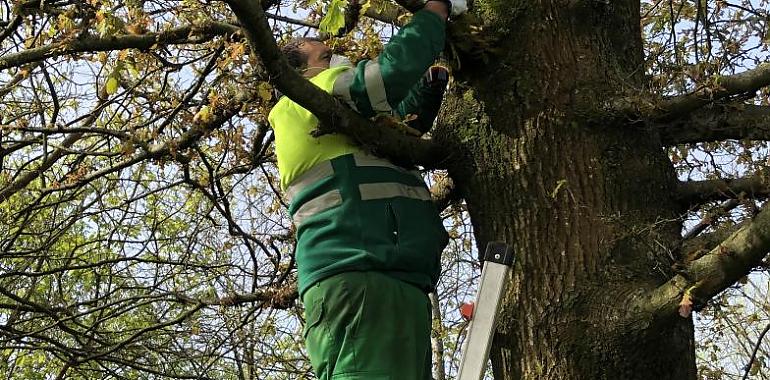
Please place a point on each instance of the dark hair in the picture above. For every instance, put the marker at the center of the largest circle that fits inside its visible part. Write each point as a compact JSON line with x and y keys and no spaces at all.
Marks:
{"x":296,"y":57}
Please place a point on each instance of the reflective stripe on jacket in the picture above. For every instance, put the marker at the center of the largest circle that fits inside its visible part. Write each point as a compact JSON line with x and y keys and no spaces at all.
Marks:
{"x":380,"y":85}
{"x":360,"y":213}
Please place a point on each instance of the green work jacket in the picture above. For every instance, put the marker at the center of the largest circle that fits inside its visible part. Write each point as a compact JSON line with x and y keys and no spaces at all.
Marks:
{"x":353,"y":211}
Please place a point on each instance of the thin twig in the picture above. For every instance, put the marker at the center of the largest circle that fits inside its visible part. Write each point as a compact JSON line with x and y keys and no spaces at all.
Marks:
{"x":754,"y":353}
{"x":711,"y":217}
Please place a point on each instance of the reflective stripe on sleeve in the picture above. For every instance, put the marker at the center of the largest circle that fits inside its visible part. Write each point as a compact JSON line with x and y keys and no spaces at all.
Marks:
{"x":375,"y":88}
{"x":318,"y":172}
{"x":342,"y":87}
{"x":318,"y":204}
{"x":384,"y":190}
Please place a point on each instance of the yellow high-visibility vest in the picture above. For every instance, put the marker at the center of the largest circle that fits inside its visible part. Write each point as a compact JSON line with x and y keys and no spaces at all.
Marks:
{"x":296,"y":150}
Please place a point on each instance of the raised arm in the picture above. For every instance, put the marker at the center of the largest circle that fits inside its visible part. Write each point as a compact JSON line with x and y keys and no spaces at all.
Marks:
{"x":421,"y":105}
{"x":379,"y":85}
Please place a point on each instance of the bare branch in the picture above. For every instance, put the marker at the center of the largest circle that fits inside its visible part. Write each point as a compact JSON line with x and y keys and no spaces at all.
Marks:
{"x":331,"y":112}
{"x":182,"y":317}
{"x":173,"y":147}
{"x":194,"y":89}
{"x":182,"y":35}
{"x":437,"y":341}
{"x":739,"y":84}
{"x":754,"y":352}
{"x":699,"y":192}
{"x":50,"y":160}
{"x":289,"y":20}
{"x":696,"y":247}
{"x":719,"y":122}
{"x":22,"y":73}
{"x":710,"y":217}
{"x":273,"y":297}
{"x":28,"y":177}
{"x":15,"y":23}
{"x":707,"y":276}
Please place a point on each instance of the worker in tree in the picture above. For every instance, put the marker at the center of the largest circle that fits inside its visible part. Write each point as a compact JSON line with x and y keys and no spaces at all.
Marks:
{"x":369,"y":239}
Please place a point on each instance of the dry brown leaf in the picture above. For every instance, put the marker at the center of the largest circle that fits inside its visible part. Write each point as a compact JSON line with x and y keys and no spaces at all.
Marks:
{"x":685,"y":305}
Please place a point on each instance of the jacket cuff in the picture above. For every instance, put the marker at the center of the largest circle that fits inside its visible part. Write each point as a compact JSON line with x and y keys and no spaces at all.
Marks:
{"x":433,"y":17}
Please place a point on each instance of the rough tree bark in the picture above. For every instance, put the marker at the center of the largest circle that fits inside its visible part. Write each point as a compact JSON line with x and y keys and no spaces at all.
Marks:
{"x":590,"y":207}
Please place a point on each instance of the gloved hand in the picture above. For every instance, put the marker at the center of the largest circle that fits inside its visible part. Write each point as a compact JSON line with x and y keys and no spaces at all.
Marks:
{"x":456,"y":7}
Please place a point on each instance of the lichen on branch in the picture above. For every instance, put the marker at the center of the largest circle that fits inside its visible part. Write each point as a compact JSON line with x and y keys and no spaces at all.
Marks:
{"x":707,"y":276}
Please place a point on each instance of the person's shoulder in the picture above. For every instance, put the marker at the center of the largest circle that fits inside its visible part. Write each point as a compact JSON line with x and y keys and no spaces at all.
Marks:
{"x":280,"y":106}
{"x":284,"y":103}
{"x":328,"y":73}
{"x":424,"y":15}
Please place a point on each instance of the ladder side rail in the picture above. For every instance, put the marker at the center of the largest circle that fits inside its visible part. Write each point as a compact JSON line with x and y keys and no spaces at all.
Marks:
{"x":494,"y":275}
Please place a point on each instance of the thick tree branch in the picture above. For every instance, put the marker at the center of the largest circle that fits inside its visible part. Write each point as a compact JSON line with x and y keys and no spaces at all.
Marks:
{"x":657,"y":111}
{"x":332,"y":113}
{"x":707,"y":276}
{"x":411,"y":5}
{"x":699,"y":192}
{"x":8,"y":30}
{"x":386,"y":12}
{"x":739,"y":84}
{"x":182,"y":35}
{"x":699,"y":246}
{"x":444,"y":192}
{"x":719,"y":122}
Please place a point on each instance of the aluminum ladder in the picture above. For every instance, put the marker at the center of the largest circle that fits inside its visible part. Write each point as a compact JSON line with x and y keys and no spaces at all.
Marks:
{"x":498,"y":260}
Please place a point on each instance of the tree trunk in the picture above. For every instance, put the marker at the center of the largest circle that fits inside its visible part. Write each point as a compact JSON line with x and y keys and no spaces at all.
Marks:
{"x":588,"y":206}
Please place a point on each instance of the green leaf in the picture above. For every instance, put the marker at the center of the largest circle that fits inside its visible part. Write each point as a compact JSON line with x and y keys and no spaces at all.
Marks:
{"x":112,"y":85}
{"x":335,"y":17}
{"x":365,"y":6}
{"x":132,"y":70}
{"x":204,"y":115}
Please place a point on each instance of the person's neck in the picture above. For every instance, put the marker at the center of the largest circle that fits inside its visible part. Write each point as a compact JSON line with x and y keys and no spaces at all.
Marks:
{"x":313,"y":71}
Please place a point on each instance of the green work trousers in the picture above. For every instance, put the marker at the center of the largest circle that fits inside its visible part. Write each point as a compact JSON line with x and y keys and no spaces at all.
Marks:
{"x":367,"y":326}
